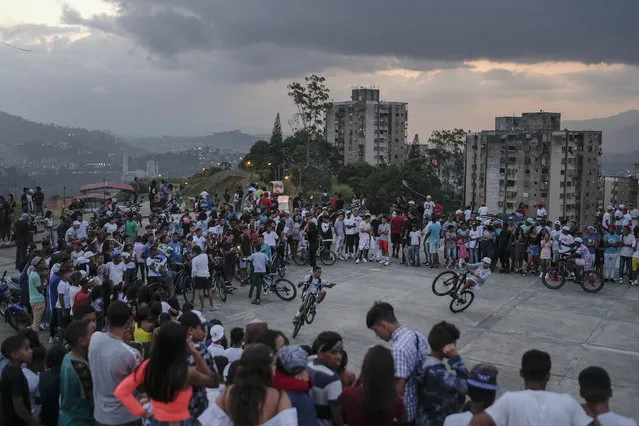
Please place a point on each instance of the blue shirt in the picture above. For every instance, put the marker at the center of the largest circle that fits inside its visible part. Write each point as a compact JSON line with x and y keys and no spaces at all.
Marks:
{"x":611,"y":238}
{"x":435,"y":230}
{"x":53,"y":290}
{"x":259,"y":261}
{"x":266,"y":250}
{"x":589,"y":238}
{"x":176,"y":255}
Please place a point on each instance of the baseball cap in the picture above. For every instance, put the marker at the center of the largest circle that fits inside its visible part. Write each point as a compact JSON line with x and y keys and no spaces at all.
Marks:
{"x":565,"y":228}
{"x":36,"y":260}
{"x":530,"y":220}
{"x":292,"y":359}
{"x":76,"y":223}
{"x":487,"y":260}
{"x":579,"y":240}
{"x":217,"y":332}
{"x":484,"y":376}
{"x":591,"y":228}
{"x":557,"y":222}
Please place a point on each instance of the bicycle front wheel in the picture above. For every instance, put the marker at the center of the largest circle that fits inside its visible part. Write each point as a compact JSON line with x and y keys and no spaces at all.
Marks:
{"x":284,"y":289}
{"x":301,"y":257}
{"x":553,"y":278}
{"x":444,"y":283}
{"x":328,"y":257}
{"x":221,"y":288}
{"x":591,"y":282}
{"x":188,"y":291}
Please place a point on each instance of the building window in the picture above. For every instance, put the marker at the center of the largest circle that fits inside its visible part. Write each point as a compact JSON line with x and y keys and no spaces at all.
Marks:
{"x":563,"y":172}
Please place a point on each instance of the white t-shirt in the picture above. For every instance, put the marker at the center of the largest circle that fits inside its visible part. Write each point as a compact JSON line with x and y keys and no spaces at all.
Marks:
{"x":459,"y":419}
{"x":630,"y":240}
{"x":414,"y":238}
{"x":233,"y":354}
{"x":364,"y":228}
{"x":474,"y":236}
{"x":270,"y":238}
{"x":201,"y":242}
{"x":565,"y":242}
{"x":149,"y":262}
{"x":627,"y":220}
{"x":110,"y":228}
{"x":63,"y":288}
{"x":483,"y":211}
{"x":614,"y":419}
{"x":428,"y":208}
{"x":116,"y":272}
{"x":537,"y":408}
{"x":467,"y":214}
{"x":605,"y":221}
{"x":82,"y":231}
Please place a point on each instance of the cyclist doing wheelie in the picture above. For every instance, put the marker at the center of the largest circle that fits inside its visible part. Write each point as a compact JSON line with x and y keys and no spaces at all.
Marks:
{"x":479,"y":277}
{"x":579,"y":258}
{"x":314,"y":285}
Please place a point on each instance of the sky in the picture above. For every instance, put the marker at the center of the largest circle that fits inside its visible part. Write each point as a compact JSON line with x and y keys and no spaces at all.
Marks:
{"x":190,"y":67}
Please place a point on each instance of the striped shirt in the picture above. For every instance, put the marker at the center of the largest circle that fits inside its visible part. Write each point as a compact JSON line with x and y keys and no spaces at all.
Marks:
{"x":409,"y":351}
{"x":327,"y":388}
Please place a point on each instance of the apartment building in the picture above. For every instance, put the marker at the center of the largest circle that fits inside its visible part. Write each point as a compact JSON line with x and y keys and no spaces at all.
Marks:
{"x":368,"y":129}
{"x":620,"y":190}
{"x":528,"y":160}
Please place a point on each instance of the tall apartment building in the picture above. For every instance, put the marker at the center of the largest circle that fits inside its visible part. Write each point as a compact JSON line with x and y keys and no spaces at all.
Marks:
{"x":528,"y":160}
{"x":367,"y":129}
{"x":620,"y":190}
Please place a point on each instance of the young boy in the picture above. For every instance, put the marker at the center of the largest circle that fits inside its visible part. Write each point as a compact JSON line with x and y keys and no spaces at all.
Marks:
{"x":384,"y":233}
{"x":482,"y":389}
{"x":441,"y":388}
{"x":415,"y":238}
{"x":259,"y":261}
{"x":49,"y":387}
{"x":15,"y":405}
{"x":234,"y":352}
{"x":327,"y":386}
{"x":32,"y":373}
{"x":314,"y":284}
{"x":63,"y":304}
{"x":595,"y":387}
{"x":76,"y":384}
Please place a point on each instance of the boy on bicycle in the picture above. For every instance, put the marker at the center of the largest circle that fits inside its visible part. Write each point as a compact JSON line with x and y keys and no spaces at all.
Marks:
{"x":314,"y":284}
{"x":478,"y":277}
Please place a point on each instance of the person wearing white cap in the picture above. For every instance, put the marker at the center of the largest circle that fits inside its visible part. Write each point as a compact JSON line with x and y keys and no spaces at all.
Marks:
{"x":72,"y":233}
{"x":429,"y":205}
{"x":555,"y":233}
{"x":217,"y":334}
{"x":478,"y":277}
{"x":580,"y":257}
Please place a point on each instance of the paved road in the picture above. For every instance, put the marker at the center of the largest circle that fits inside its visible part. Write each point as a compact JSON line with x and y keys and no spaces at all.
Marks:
{"x":510,"y":315}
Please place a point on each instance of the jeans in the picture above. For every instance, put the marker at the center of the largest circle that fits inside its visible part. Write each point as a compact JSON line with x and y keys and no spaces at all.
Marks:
{"x":414,"y":254}
{"x":610,"y":259}
{"x":258,"y":279}
{"x":625,"y":264}
{"x":474,"y":255}
{"x":426,"y":253}
{"x":451,"y":253}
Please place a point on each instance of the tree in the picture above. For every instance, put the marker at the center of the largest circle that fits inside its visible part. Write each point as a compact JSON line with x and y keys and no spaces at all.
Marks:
{"x":445,"y":156}
{"x":414,"y":151}
{"x":312,"y":102}
{"x":276,"y":135}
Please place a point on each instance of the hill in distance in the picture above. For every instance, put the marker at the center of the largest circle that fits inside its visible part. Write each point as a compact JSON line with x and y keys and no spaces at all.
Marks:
{"x":22,"y":139}
{"x":226,"y":141}
{"x":620,"y":132}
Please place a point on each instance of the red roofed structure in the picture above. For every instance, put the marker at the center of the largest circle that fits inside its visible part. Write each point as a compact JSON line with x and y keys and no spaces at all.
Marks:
{"x":106,"y":185}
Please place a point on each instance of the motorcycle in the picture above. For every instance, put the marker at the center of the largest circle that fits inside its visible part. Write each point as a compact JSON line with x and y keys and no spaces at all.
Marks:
{"x":10,"y":308}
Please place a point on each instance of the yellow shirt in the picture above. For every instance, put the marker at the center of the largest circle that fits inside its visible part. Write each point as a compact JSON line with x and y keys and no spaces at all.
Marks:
{"x":141,"y":336}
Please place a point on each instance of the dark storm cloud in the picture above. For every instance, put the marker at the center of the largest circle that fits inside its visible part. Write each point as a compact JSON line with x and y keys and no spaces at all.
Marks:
{"x":589,"y":31}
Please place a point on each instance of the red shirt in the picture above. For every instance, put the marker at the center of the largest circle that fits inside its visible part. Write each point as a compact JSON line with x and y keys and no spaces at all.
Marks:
{"x":397,"y":224}
{"x":352,"y":400}
{"x":267,"y":202}
{"x":82,"y":298}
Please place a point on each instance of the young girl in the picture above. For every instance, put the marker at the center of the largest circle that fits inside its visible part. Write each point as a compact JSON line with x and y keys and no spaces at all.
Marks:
{"x":520,"y":250}
{"x":533,"y":251}
{"x":546,"y":252}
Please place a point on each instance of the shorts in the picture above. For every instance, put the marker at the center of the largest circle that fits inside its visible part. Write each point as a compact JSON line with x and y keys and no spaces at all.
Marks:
{"x":476,"y":283}
{"x":396,"y":239}
{"x":635,"y":264}
{"x":383,"y":245}
{"x":201,"y":283}
{"x":433,"y":247}
{"x":580,"y":262}
{"x":534,"y":249}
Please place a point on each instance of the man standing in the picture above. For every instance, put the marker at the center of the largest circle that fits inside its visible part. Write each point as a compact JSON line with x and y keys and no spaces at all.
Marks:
{"x":201,"y":276}
{"x":112,"y":360}
{"x":136,"y":189}
{"x":24,"y":237}
{"x":409,"y":352}
{"x":38,"y":202}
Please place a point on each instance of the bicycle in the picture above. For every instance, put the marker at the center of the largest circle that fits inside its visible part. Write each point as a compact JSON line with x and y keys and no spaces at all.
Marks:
{"x":183,"y":283}
{"x":325,"y":255}
{"x":448,"y":283}
{"x":283,"y":288}
{"x":278,"y":265}
{"x":219,"y":285}
{"x":557,"y":275}
{"x":309,"y":310}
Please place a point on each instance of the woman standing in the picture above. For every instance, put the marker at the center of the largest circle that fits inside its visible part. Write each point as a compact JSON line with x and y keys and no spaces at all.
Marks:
{"x":251,"y":400}
{"x":167,"y":378}
{"x":546,"y":252}
{"x":375,"y":401}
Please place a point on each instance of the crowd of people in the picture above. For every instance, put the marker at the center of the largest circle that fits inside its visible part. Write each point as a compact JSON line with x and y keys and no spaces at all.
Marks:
{"x":123,"y":351}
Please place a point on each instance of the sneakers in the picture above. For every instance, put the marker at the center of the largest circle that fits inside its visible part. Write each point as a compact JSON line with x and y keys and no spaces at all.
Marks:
{"x":386,"y":263}
{"x":634,"y":283}
{"x":364,"y":260}
{"x":256,"y":302}
{"x":214,"y":308}
{"x":356,"y":260}
{"x":620,"y":280}
{"x":541,"y":275}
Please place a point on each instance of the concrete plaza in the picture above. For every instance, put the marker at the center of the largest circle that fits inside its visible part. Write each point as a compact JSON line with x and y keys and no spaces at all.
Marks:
{"x":510,"y":315}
